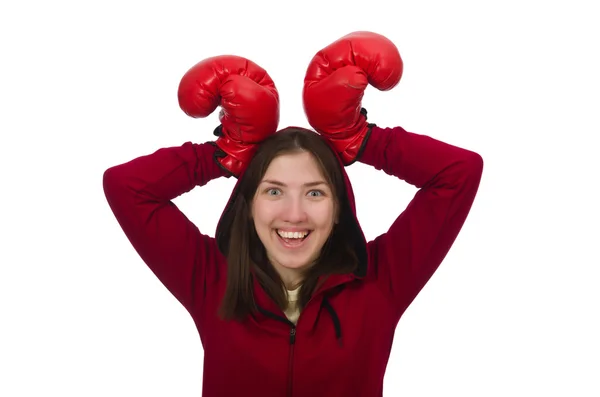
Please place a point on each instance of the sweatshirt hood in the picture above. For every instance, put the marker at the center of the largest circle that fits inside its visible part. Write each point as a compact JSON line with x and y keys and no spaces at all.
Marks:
{"x":348,"y":210}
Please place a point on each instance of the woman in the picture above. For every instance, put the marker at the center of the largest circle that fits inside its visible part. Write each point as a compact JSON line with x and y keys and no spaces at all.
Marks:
{"x":288,"y":298}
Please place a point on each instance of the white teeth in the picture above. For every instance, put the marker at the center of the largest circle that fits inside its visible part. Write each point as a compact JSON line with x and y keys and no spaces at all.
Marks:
{"x":292,"y":234}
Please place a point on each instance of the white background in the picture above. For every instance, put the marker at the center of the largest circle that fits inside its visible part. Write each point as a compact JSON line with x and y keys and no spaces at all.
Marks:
{"x":513,"y":310}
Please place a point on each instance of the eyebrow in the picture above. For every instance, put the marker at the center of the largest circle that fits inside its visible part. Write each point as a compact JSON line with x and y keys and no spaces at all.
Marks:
{"x":308,"y":184}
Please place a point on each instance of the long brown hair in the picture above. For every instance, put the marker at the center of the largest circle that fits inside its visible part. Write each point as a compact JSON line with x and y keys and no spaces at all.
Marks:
{"x":246,"y":255}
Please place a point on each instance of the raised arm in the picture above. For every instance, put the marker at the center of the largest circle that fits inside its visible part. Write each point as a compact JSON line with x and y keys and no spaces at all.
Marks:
{"x":139,"y":194}
{"x":140,"y":191}
{"x":405,"y":257}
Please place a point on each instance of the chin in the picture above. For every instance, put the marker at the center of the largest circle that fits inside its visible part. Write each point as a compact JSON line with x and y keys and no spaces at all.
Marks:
{"x":293,"y":264}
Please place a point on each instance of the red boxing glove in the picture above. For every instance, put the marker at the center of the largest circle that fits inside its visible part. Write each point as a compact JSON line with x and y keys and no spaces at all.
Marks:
{"x":249,"y":105}
{"x":334,"y":86}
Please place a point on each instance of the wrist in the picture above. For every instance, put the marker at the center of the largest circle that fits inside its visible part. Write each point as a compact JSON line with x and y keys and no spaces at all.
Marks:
{"x":218,"y":155}
{"x":234,"y":155}
{"x":352,"y":146}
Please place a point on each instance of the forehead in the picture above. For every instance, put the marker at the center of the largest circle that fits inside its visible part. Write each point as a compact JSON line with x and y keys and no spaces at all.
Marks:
{"x":297,"y":167}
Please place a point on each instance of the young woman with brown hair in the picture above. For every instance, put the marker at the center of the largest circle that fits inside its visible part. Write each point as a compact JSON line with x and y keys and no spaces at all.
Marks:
{"x":289,"y":298}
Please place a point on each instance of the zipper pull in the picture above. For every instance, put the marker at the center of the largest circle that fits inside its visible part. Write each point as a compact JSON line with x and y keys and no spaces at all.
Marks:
{"x":292,"y":335}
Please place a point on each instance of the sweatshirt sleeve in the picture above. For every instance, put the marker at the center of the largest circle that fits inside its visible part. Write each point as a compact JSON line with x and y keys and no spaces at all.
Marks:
{"x":403,"y":259}
{"x":139,"y":194}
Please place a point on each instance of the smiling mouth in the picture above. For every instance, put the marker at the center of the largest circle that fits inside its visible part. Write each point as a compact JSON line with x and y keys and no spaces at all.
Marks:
{"x":292,"y":239}
{"x":293,"y":235}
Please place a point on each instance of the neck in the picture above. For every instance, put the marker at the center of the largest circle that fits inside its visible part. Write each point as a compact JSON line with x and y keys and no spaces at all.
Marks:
{"x":291,"y":279}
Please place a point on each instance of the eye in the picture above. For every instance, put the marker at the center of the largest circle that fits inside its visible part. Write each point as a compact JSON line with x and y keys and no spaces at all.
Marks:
{"x":273,"y":191}
{"x":316,"y":193}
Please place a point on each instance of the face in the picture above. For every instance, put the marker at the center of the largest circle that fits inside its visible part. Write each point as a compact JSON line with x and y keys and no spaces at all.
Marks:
{"x":293,"y":213}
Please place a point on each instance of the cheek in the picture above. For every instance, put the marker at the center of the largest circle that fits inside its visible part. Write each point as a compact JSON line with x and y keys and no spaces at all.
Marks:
{"x":263,"y":213}
{"x":324,"y":215}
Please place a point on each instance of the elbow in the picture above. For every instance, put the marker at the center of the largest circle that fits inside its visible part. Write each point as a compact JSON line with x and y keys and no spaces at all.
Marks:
{"x":469,"y":164}
{"x":111,"y":180}
{"x":466,"y":172}
{"x":108,"y":177}
{"x":475,"y":164}
{"x":471,"y":171}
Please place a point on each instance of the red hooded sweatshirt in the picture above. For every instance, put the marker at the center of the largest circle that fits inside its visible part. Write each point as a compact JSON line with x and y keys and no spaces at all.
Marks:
{"x":343,"y":337}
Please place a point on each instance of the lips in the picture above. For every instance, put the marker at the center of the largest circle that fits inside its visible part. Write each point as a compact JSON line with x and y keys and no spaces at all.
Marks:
{"x":292,"y":239}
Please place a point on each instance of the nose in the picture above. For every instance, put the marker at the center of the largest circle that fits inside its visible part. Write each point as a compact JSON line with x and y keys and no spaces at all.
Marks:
{"x":294,"y":211}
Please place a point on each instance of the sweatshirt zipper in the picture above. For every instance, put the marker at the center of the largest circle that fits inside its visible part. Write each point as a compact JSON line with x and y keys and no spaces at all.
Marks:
{"x":291,"y":350}
{"x":292,"y":343}
{"x":291,"y":361}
